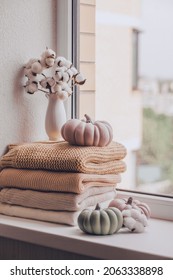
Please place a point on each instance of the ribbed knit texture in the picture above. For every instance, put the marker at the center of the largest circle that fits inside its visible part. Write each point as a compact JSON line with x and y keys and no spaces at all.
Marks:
{"x":57,"y":201}
{"x":43,"y":180}
{"x":64,"y":157}
{"x":59,"y":217}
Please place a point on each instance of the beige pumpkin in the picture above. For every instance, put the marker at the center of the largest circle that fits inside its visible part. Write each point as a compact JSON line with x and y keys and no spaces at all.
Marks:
{"x":87,"y":132}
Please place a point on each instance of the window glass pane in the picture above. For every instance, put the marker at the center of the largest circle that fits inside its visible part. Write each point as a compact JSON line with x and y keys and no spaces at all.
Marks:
{"x":134,"y":87}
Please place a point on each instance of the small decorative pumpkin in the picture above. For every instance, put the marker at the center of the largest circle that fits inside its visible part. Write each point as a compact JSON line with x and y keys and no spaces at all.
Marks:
{"x":87,"y":133}
{"x":100,"y":221}
{"x":130,"y":203}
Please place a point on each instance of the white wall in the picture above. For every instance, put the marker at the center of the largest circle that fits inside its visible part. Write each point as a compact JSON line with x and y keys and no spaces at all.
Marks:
{"x":156,"y":41}
{"x":26,"y":28}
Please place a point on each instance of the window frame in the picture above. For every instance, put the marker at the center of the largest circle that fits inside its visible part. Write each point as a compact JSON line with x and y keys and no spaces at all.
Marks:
{"x":135,"y":58}
{"x":68,"y":45}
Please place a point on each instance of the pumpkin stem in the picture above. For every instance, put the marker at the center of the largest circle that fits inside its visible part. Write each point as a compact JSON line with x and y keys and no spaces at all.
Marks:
{"x":97,"y":207}
{"x":88,"y":119}
{"x":130,"y":200}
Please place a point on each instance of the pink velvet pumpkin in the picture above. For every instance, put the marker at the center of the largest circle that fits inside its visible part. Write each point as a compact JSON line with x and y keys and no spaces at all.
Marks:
{"x":87,"y":132}
{"x":130,"y":203}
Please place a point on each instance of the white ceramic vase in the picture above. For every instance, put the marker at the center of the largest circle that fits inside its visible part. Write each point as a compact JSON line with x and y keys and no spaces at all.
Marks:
{"x":55,"y":117}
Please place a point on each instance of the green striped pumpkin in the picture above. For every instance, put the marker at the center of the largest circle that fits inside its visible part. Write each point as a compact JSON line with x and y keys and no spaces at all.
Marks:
{"x":100,"y":221}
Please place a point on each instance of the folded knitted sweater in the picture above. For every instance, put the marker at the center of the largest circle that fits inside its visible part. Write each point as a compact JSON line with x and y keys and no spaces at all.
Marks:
{"x":44,"y":180}
{"x":62,"y":156}
{"x":60,"y":217}
{"x":57,"y":200}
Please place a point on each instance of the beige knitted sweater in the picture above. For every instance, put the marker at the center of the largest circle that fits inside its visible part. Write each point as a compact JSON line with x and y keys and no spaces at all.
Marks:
{"x":62,"y":156}
{"x":43,"y":180}
{"x":57,"y":201}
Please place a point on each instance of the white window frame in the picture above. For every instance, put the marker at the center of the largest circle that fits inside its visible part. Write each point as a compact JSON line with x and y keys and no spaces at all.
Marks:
{"x":68,"y":43}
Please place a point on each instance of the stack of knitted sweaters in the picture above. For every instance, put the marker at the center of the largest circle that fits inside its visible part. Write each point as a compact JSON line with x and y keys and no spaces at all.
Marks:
{"x":54,"y":181}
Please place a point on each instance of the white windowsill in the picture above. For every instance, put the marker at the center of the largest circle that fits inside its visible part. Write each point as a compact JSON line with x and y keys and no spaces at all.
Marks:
{"x":154,"y":243}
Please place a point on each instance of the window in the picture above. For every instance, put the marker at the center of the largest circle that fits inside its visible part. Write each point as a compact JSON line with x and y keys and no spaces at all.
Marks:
{"x":114,"y":68}
{"x":135,"y":58}
{"x":68,"y":45}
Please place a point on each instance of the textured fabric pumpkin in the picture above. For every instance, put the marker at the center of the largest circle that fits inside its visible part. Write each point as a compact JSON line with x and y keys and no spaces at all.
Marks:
{"x":87,"y":133}
{"x":100,"y":221}
{"x":130,"y":203}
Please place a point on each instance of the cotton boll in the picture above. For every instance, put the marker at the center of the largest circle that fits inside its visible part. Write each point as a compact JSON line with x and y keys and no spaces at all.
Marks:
{"x":138,"y":227}
{"x":137,"y":215}
{"x":33,"y":78}
{"x":48,"y":58}
{"x":36,"y":67}
{"x":31,"y":88}
{"x":49,"y":61}
{"x":60,"y":61}
{"x":58,"y":76}
{"x":67,"y":88}
{"x":70,"y":73}
{"x":47,"y":82}
{"x":51,"y":82}
{"x":48,"y":53}
{"x":126,"y":213}
{"x":29,"y":74}
{"x":59,"y":71}
{"x":65,"y":77}
{"x":67,"y":63}
{"x":79,"y":79}
{"x":43,"y":63}
{"x":129,"y":222}
{"x":57,"y":88}
{"x":30,"y":62}
{"x":133,"y":225}
{"x":43,"y":83}
{"x":74,"y":70}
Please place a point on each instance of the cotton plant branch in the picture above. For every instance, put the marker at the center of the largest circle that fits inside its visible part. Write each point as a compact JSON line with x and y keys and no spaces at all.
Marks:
{"x":65,"y":76}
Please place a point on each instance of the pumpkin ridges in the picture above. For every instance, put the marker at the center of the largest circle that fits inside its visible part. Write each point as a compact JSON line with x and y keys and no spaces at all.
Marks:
{"x":66,"y":130}
{"x":110,"y":130}
{"x":80,"y":220}
{"x":104,"y":134}
{"x":119,"y":216}
{"x":79,"y":134}
{"x":113,"y":221}
{"x":88,"y":134}
{"x":95,"y":222}
{"x":96,"y":136}
{"x":105,"y":222}
{"x":86,"y":222}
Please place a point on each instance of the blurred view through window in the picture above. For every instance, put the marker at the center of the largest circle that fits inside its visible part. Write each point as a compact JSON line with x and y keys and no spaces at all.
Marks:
{"x":134,"y":87}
